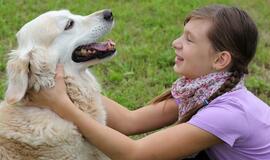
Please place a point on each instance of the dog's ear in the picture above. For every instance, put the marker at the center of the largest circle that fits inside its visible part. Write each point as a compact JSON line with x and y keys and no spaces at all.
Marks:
{"x":17,"y":70}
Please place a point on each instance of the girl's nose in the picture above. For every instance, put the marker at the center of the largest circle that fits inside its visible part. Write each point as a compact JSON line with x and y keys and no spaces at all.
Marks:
{"x":177,"y":44}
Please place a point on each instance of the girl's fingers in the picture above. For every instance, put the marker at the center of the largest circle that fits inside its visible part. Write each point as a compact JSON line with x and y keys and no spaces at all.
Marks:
{"x":59,"y":72}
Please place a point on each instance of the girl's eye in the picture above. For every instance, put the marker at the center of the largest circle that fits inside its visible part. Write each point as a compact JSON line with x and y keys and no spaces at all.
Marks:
{"x":69,"y":24}
{"x":188,"y":39}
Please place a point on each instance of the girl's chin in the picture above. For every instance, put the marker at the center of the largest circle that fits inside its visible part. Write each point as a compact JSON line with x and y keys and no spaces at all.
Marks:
{"x":177,"y":70}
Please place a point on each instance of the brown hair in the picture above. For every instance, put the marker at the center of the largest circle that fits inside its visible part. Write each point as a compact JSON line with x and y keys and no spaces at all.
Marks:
{"x":232,"y":30}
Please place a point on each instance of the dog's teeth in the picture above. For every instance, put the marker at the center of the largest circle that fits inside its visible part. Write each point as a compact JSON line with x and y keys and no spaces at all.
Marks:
{"x":110,"y":46}
{"x":112,"y":43}
{"x":84,"y":52}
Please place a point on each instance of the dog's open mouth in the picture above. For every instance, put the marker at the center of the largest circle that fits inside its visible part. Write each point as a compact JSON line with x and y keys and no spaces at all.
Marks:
{"x":91,"y":51}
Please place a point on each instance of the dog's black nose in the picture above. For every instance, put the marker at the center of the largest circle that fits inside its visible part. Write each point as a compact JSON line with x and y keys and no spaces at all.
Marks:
{"x":108,"y":16}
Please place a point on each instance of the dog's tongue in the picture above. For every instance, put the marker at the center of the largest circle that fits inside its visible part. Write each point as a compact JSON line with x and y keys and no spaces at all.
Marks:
{"x":103,"y":46}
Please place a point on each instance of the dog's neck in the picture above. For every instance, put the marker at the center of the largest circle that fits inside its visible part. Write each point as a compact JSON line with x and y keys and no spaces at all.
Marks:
{"x":84,"y":91}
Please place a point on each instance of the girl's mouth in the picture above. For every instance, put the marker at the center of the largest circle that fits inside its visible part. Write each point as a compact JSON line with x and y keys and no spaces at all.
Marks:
{"x":178,"y":59}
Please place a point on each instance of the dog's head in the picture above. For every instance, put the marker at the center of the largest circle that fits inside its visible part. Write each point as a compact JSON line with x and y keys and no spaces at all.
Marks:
{"x":56,"y":36}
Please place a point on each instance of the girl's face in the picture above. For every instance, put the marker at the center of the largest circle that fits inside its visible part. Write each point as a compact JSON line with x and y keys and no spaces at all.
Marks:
{"x":194,"y":53}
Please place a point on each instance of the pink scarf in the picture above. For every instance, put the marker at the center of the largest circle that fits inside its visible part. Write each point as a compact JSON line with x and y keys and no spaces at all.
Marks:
{"x":188,"y":92}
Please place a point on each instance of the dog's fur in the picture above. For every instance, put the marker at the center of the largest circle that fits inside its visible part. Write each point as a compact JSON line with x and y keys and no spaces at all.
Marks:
{"x":29,"y":132}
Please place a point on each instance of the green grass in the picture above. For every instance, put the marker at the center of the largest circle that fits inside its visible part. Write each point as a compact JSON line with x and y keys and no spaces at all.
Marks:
{"x":144,"y":31}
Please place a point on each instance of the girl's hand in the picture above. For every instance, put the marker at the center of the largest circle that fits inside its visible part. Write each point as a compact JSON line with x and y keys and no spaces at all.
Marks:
{"x":52,"y":97}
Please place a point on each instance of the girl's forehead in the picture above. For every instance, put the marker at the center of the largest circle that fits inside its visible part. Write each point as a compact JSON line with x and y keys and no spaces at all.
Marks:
{"x":197,"y":27}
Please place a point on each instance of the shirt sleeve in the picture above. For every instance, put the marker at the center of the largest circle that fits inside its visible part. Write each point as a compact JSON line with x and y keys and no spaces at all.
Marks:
{"x":225,"y":119}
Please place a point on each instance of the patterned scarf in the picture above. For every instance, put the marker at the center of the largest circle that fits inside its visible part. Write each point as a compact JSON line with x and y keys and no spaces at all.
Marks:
{"x":188,"y":92}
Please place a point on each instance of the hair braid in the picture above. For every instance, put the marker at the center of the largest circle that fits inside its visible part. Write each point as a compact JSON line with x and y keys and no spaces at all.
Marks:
{"x":227,"y":86}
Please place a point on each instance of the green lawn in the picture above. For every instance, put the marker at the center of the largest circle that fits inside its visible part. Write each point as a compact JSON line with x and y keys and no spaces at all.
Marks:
{"x":143,"y":32}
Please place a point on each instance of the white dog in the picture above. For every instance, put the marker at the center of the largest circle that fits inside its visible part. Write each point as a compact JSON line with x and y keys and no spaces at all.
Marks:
{"x":28,"y":132}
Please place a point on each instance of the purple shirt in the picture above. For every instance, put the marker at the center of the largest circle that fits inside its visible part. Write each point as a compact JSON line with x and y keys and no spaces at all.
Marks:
{"x":242,"y":121}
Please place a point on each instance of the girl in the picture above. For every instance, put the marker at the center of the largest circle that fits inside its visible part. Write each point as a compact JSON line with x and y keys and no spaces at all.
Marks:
{"x":215,"y":111}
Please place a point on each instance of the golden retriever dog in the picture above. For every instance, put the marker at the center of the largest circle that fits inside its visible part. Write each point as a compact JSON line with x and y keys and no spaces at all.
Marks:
{"x":29,"y":132}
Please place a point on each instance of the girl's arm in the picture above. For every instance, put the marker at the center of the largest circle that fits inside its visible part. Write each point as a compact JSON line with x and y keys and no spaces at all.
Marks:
{"x":178,"y":141}
{"x":148,"y":118}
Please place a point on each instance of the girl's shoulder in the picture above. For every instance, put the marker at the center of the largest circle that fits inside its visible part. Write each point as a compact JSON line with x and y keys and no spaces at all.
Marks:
{"x":241,"y":98}
{"x":232,"y":115}
{"x":237,"y":109}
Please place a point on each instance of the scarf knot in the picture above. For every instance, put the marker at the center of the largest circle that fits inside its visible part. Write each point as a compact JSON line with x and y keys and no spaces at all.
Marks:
{"x":189,"y":92}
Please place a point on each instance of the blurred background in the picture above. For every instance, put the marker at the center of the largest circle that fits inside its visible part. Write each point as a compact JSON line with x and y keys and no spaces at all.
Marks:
{"x":143,"y":32}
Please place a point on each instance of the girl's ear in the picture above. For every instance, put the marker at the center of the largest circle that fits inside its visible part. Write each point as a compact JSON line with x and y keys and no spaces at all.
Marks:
{"x":222,"y":60}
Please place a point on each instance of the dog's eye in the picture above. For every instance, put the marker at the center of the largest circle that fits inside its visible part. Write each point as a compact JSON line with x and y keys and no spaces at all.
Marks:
{"x":69,"y":24}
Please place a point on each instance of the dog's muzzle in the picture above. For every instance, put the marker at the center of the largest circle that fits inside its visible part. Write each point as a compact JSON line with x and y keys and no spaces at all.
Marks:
{"x":95,"y":50}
